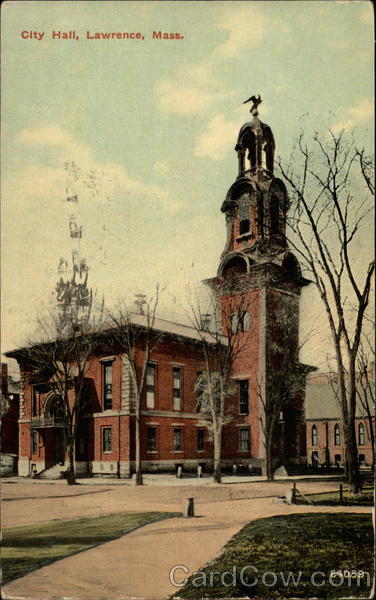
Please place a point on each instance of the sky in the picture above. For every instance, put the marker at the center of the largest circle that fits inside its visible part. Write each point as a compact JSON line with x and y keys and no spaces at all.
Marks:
{"x":143,"y":132}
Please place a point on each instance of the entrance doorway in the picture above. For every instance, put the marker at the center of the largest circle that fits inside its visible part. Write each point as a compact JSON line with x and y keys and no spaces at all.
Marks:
{"x":59,"y":446}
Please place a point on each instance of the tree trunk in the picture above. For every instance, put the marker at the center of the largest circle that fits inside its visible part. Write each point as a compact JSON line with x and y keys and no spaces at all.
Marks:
{"x":217,"y":477}
{"x":353,"y":476}
{"x":269,"y":445}
{"x":70,"y":474}
{"x":139,"y":479}
{"x":269,"y":458}
{"x":347,"y":397}
{"x":353,"y":462}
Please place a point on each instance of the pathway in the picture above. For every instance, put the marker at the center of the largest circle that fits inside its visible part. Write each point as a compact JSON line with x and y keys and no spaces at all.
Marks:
{"x":138,"y":565}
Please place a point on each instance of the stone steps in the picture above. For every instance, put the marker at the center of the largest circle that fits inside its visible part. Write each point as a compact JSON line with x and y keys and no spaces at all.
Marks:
{"x":55,"y":472}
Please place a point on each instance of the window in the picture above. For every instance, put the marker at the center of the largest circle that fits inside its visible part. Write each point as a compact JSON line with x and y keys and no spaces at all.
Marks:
{"x":152,"y":439}
{"x":234,"y":322}
{"x":314,"y":435}
{"x":244,"y":440}
{"x":107,"y":439}
{"x":337,"y":459}
{"x":199,"y":391}
{"x":274,"y":215}
{"x":244,"y":220}
{"x":176,"y":374}
{"x":178,"y":440}
{"x":244,"y":396}
{"x":34,"y":442}
{"x":246,"y":321}
{"x":34,"y":401}
{"x":361,"y":434}
{"x":337,"y":435}
{"x":107,"y":385}
{"x":240,"y":322}
{"x":200,"y":440}
{"x":362,"y":459}
{"x":150,"y":386}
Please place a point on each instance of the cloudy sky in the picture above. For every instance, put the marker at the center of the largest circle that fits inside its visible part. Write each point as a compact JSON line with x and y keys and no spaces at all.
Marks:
{"x":151,"y":126}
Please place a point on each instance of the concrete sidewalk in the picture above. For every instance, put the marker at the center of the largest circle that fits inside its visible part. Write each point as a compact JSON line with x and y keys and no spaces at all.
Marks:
{"x":138,"y":565}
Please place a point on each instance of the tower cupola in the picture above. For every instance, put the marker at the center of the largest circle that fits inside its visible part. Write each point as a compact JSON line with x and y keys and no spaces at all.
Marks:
{"x":255,"y":146}
{"x":256,"y":204}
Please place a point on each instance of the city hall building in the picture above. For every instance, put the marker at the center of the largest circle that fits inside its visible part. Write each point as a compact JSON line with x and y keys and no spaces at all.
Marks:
{"x":258,"y":273}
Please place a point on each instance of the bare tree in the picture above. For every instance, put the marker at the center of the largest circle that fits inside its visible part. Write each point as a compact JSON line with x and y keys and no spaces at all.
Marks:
{"x":135,"y":336}
{"x":221,"y":346}
{"x":326,"y":224}
{"x":59,"y":361}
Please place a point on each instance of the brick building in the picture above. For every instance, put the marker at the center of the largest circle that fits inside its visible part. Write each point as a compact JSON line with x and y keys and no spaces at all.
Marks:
{"x":9,"y":403}
{"x":9,"y":412}
{"x":325,"y":435}
{"x":258,"y":274}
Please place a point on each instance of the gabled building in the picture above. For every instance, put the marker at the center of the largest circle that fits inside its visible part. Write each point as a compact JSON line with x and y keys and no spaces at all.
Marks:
{"x":261,"y":280}
{"x":325,"y":434}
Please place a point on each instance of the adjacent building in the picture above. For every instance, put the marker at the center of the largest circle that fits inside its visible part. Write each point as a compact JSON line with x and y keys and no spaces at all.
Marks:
{"x":325,"y":435}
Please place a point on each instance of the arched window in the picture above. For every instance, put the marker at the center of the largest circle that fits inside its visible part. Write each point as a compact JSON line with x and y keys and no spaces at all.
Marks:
{"x":244,"y":226}
{"x":274,"y":215}
{"x":337,"y":435}
{"x":314,"y":435}
{"x":246,"y":321}
{"x":361,"y":434}
{"x":234,"y":322}
{"x":240,"y":322}
{"x":291,"y":267}
{"x":52,"y":406}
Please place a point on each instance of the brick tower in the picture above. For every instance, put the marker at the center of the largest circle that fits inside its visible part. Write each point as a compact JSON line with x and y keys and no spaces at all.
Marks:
{"x":258,"y":273}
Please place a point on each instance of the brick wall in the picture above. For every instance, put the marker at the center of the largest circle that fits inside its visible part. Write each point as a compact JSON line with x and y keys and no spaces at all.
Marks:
{"x":326,"y":447}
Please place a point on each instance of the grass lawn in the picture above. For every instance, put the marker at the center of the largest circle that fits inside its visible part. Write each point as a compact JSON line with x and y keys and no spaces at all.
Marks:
{"x":30,"y":547}
{"x":365,"y":498}
{"x":301,"y":545}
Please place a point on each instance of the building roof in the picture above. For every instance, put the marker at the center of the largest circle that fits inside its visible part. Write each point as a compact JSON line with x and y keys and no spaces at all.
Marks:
{"x":164,"y":326}
{"x":174,"y":328}
{"x":321,"y":401}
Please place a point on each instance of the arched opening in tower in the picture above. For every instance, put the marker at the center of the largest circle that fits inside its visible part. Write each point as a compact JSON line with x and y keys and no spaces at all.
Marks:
{"x":291,"y":267}
{"x":274,"y":215}
{"x":235,"y":266}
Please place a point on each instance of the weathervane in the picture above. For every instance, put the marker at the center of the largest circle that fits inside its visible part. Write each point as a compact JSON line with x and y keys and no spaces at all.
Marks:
{"x":256,"y":102}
